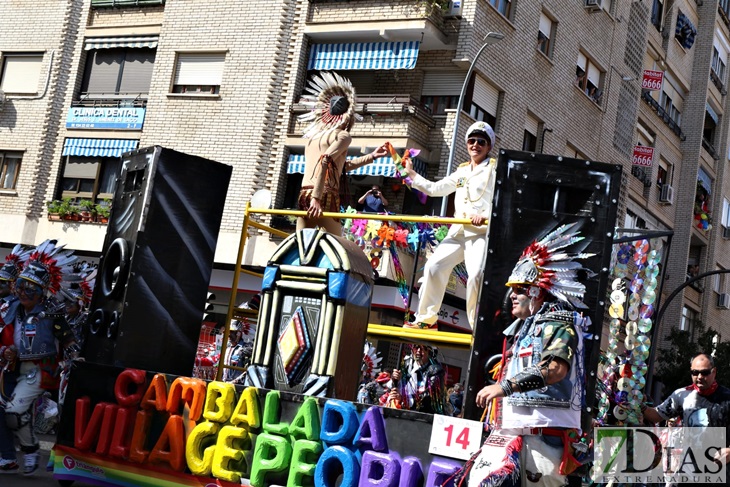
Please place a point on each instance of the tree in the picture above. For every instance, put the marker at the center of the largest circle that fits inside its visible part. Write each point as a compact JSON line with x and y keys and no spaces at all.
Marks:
{"x":683,"y":346}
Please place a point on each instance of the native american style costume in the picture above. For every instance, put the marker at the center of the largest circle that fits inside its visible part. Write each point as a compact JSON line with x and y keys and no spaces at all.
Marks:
{"x":80,"y":292}
{"x":332,"y":101}
{"x":474,"y":189}
{"x":537,"y":430}
{"x":40,"y":334}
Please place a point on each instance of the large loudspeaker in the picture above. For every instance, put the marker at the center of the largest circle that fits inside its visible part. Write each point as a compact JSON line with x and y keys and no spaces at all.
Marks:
{"x":156,"y":263}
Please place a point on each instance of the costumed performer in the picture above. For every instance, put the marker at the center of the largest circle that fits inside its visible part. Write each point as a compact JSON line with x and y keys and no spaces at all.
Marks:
{"x":40,"y":328}
{"x":541,"y":388}
{"x":419,"y":384}
{"x":332,"y":100}
{"x":473,"y":183}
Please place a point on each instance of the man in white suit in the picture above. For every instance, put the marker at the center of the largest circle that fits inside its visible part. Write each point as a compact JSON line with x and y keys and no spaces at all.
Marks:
{"x":473,"y":183}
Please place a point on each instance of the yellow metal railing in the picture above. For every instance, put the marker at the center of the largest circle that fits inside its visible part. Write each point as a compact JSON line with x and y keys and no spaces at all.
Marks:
{"x":457,"y":340}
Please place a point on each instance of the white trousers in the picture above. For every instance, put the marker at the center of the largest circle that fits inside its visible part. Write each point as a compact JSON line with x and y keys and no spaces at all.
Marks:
{"x":18,"y":412}
{"x":451,"y":251}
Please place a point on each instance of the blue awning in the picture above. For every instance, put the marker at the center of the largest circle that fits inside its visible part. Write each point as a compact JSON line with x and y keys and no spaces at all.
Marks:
{"x":380,"y":167}
{"x":98,"y":147}
{"x":115,"y":42}
{"x":364,"y":55}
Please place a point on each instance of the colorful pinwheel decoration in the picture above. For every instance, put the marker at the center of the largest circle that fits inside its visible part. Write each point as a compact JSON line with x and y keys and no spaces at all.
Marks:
{"x":400,"y":168}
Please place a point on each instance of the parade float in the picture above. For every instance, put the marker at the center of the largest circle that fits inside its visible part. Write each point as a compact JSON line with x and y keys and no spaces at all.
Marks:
{"x":135,"y":416}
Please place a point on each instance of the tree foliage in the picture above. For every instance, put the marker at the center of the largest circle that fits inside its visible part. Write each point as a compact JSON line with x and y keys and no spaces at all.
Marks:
{"x":674,"y":361}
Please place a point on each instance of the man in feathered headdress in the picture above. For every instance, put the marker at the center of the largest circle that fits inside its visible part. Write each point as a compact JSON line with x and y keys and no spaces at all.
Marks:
{"x":332,"y":99}
{"x":540,"y":394}
{"x":14,"y":263}
{"x":40,"y":331}
{"x":77,"y":296}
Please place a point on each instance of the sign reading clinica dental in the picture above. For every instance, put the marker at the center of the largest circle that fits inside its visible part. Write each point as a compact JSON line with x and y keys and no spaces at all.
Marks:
{"x":117,"y":118}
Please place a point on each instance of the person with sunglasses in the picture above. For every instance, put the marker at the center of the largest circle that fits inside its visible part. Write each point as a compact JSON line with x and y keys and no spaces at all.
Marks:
{"x":40,"y":332}
{"x":539,"y":391}
{"x":703,"y":403}
{"x":473,"y":185}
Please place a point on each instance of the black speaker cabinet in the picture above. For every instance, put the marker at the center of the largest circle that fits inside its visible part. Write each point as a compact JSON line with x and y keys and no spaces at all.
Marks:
{"x":150,"y":293}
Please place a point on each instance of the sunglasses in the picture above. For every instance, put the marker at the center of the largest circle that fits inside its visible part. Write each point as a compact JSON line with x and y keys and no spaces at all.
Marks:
{"x":704,"y":372}
{"x":479,"y":142}
{"x":519,"y":290}
{"x":29,"y":289}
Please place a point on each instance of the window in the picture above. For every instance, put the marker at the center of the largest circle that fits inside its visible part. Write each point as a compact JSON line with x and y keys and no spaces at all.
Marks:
{"x":91,"y":178}
{"x":632,"y":220}
{"x":529,"y":139}
{"x":9,"y":169}
{"x":725,"y":213}
{"x":503,"y":6}
{"x":664,"y":173}
{"x":572,"y":151}
{"x":671,"y":103}
{"x":441,"y":90}
{"x":545,"y":35}
{"x":118,"y":73}
{"x":718,"y":64}
{"x":198,"y":73}
{"x":588,"y":78}
{"x":657,"y":14}
{"x":483,"y":103}
{"x":719,"y":285}
{"x":709,"y":130}
{"x":21,"y":73}
{"x":689,"y":318}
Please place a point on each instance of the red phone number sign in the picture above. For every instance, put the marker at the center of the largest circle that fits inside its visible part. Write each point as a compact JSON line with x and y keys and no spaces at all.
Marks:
{"x":652,"y":80}
{"x":643,"y":156}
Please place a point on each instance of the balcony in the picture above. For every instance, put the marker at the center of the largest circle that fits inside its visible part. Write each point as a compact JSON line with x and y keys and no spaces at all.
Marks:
{"x":661,"y":113}
{"x":717,"y":81}
{"x":125,"y":3}
{"x":378,"y":21}
{"x":398,"y":118}
{"x":723,"y":8}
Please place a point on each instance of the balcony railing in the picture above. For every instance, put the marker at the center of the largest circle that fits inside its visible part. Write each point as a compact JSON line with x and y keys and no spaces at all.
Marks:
{"x":716,"y":80}
{"x":367,"y":104}
{"x":125,"y":3}
{"x":668,"y":120}
{"x":723,"y":9}
{"x":710,"y":148}
{"x":120,"y":100}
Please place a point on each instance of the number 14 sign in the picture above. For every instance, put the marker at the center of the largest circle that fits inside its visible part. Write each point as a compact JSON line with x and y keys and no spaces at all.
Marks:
{"x":455,"y":437}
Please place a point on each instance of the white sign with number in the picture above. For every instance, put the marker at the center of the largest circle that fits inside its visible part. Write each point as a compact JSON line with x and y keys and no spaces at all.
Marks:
{"x":455,"y":437}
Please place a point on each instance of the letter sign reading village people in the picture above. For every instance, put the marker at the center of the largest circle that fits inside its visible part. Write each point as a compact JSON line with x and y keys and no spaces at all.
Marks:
{"x":652,"y":80}
{"x":119,"y":118}
{"x":643,"y":156}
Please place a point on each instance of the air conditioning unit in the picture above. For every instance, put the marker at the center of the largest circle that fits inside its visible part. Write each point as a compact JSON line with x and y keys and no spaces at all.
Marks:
{"x":454,"y":9}
{"x":726,"y":232}
{"x":666,"y":194}
{"x":593,"y":5}
{"x":723,"y":300}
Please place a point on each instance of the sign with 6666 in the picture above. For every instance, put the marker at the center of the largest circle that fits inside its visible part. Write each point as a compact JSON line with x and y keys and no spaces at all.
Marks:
{"x":652,"y":80}
{"x":643,"y":156}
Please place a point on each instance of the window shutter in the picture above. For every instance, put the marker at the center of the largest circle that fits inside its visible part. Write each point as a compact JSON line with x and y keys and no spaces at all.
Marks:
{"x":21,"y":74}
{"x":137,"y":73}
{"x":486,"y":96}
{"x":79,"y":168}
{"x":199,"y":69}
{"x":438,"y":83}
{"x":531,"y":125}
{"x":546,"y":25}
{"x":582,"y":60}
{"x":103,"y":74}
{"x":362,"y":81}
{"x":594,"y":75}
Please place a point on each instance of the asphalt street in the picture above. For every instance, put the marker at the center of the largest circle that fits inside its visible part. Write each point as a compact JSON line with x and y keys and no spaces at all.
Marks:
{"x":41,"y":478}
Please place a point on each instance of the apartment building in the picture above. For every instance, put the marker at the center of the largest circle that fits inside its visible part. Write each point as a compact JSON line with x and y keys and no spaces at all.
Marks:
{"x":222,"y":80}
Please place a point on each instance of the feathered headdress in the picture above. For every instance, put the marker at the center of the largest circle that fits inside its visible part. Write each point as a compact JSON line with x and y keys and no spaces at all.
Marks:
{"x":15,"y":262}
{"x":370,"y":361}
{"x":331,"y":99}
{"x":48,"y":266}
{"x":544,"y":265}
{"x":79,"y":287}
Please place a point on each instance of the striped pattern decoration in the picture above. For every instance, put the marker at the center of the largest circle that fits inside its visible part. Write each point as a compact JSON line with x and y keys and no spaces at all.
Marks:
{"x":98,"y":147}
{"x":380,"y":167}
{"x":113,"y":42}
{"x":364,"y":55}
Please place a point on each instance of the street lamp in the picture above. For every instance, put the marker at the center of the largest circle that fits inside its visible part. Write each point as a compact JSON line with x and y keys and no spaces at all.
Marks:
{"x":489,"y":39}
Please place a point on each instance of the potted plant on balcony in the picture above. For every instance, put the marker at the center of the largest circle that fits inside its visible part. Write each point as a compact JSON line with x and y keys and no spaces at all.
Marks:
{"x":54,"y":210}
{"x":102,"y":213}
{"x":69,"y":210}
{"x":87,"y":210}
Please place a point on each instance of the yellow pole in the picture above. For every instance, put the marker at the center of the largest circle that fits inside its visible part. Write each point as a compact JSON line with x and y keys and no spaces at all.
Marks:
{"x":234,"y":290}
{"x":369,"y":216}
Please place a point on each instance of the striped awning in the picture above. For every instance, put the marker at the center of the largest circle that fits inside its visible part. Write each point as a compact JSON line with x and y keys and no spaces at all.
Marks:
{"x":98,"y":147}
{"x":379,"y":167}
{"x":114,"y":42}
{"x":364,"y":55}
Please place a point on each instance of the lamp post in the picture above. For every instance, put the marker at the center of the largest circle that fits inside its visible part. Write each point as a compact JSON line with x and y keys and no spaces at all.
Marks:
{"x":489,"y":39}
